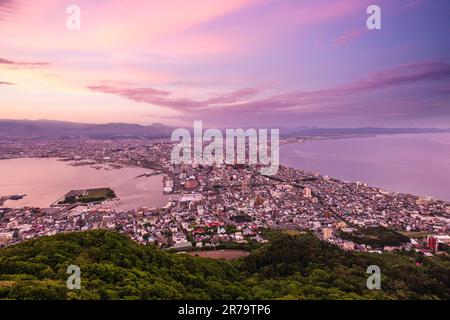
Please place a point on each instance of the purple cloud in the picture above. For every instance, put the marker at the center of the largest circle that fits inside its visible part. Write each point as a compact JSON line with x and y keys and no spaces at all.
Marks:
{"x":237,"y":106}
{"x":433,"y":70}
{"x":137,"y":94}
{"x":148,"y":95}
{"x":233,"y":97}
{"x":162,"y":98}
{"x":401,"y":75}
{"x":415,"y":4}
{"x":7,"y":7}
{"x":348,"y":37}
{"x":23,"y":64}
{"x":7,"y":83}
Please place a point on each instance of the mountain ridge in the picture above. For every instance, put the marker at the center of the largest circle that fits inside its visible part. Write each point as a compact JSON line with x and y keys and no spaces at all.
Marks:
{"x":36,"y":129}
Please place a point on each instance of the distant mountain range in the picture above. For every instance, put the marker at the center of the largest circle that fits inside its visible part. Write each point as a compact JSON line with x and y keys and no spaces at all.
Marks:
{"x":36,"y":129}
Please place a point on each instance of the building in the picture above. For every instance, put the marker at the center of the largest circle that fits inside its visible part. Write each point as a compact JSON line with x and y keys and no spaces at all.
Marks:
{"x":432,"y":243}
{"x":340,"y":224}
{"x":168,"y":185}
{"x":6,"y":236}
{"x":327,"y":233}
{"x":185,"y":245}
{"x":245,"y":184}
{"x":200,"y":210}
{"x":443,"y":239}
{"x":12,"y":225}
{"x":307,"y":193}
{"x":348,"y":245}
{"x":191,"y":184}
{"x":194,"y":197}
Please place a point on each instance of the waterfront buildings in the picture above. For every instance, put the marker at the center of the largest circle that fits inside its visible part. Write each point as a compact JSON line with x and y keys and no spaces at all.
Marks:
{"x":220,"y":204}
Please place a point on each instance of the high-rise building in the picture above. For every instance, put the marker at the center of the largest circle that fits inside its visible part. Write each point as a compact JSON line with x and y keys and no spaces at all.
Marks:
{"x":432,"y":243}
{"x":307,"y":193}
{"x":245,"y":185}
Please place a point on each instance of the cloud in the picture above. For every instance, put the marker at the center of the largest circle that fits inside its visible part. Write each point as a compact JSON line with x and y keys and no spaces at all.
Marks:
{"x":432,"y":70}
{"x":240,"y":102}
{"x":288,"y":106}
{"x":233,"y":97}
{"x":148,"y":95}
{"x":165,"y":98}
{"x":405,"y":74}
{"x":137,"y":94}
{"x":7,"y":8}
{"x":7,"y":83}
{"x":22,"y":64}
{"x":415,"y":4}
{"x":348,"y":37}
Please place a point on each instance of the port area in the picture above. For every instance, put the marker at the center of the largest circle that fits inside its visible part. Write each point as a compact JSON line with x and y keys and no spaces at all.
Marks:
{"x":149,"y":174}
{"x":14,"y":197}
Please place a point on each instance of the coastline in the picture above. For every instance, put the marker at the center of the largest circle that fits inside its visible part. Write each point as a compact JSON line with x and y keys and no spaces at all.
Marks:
{"x":345,"y":176}
{"x":108,"y":165}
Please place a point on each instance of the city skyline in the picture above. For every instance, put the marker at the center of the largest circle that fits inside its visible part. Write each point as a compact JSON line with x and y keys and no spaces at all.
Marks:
{"x":231,"y":152}
{"x":234,"y":63}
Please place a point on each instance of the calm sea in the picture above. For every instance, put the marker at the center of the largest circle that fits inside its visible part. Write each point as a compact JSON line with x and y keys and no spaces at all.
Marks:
{"x":46,"y":180}
{"x":409,"y":163}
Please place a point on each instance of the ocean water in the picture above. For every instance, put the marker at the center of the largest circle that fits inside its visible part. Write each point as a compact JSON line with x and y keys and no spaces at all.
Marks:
{"x":46,"y":180}
{"x":410,"y":163}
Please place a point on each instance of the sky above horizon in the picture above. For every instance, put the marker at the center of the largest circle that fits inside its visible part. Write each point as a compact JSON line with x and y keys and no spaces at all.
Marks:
{"x":227,"y":63}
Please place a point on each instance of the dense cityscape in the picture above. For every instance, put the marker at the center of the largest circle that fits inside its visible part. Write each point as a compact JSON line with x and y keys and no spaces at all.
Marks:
{"x":223,"y":205}
{"x":225,"y":158}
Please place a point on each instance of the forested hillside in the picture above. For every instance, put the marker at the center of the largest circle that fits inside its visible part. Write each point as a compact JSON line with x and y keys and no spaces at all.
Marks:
{"x":289,"y":267}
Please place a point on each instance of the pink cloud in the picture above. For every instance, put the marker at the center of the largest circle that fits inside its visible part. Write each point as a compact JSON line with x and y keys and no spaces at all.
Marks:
{"x":164,"y":98}
{"x":137,"y":94}
{"x":7,"y":8}
{"x":233,"y":97}
{"x":239,"y":105}
{"x":22,"y":64}
{"x":349,"y":36}
{"x":403,"y":74}
{"x":111,"y":25}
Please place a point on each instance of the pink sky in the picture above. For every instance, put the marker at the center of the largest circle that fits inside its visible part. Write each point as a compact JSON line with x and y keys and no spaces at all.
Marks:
{"x":234,"y":62}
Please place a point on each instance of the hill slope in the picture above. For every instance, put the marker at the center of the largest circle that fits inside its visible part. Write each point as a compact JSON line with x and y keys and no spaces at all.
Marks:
{"x":301,"y":267}
{"x":34,"y":129}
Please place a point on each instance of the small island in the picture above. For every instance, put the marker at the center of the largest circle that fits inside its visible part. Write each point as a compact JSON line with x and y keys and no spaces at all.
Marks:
{"x":87,"y":196}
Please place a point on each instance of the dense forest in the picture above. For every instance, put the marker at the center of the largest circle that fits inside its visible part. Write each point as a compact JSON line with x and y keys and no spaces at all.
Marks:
{"x":288,"y":267}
